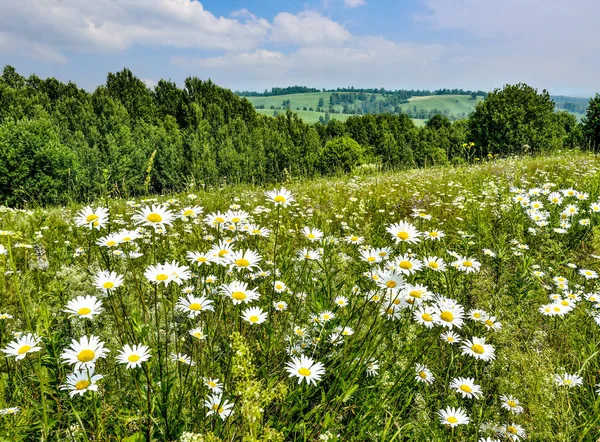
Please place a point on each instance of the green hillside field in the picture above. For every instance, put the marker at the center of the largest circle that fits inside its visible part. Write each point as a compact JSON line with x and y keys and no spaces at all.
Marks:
{"x":454,"y":105}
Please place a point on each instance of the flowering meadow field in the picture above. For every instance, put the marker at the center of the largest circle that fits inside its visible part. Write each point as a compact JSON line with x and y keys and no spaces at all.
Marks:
{"x":448,"y":304}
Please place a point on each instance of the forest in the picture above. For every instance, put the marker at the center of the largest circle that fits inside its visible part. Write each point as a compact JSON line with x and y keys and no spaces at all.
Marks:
{"x":60,"y":143}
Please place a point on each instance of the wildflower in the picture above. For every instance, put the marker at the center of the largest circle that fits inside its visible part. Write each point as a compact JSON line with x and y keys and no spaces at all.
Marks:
{"x":200,"y":258}
{"x":281,"y":197}
{"x":280,"y":305}
{"x":513,"y":432}
{"x":312,"y":234}
{"x":326,"y":316}
{"x":218,"y":406}
{"x":450,"y":337}
{"x":279,"y":286}
{"x":568,"y":380}
{"x":108,"y":281}
{"x":22,"y":346}
{"x":239,"y":292}
{"x":511,"y":404}
{"x":197,"y":333}
{"x":434,"y":235}
{"x":424,"y":315}
{"x":81,"y":381}
{"x":449,"y":315}
{"x":466,"y":387}
{"x":156,"y":216}
{"x":467,"y":265}
{"x":4,"y":316}
{"x":214,"y":385}
{"x":340,"y":301}
{"x":84,"y":307}
{"x":423,"y":374}
{"x":254,"y":315}
{"x":92,"y":218}
{"x":133,"y":356}
{"x":244,"y":260}
{"x":372,"y":367}
{"x":404,"y":232}
{"x":477,"y":348}
{"x":183,"y":358}
{"x":304,"y":368}
{"x":194,"y":305}
{"x":408,"y":265}
{"x":85,"y":352}
{"x":453,"y":417}
{"x":434,"y":263}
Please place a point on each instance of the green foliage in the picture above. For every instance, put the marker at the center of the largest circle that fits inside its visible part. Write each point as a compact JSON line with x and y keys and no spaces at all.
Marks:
{"x":79,"y":146}
{"x":341,"y":154}
{"x":591,"y":123}
{"x":514,"y":120}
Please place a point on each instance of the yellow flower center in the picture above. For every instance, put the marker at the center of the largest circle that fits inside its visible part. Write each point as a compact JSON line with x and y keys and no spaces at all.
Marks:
{"x":236,"y":220}
{"x":86,"y":355}
{"x":133,"y":358}
{"x":253,"y":318}
{"x":477,"y":348}
{"x":195,"y":306}
{"x":489,"y":323}
{"x":466,"y":388}
{"x":396,"y":301}
{"x":403,"y":235}
{"x":91,"y":218}
{"x":211,"y":384}
{"x":567,"y":382}
{"x":201,"y":259}
{"x":391,"y":284}
{"x":564,"y":302}
{"x":82,"y":385}
{"x":108,"y":285}
{"x":111,"y":243}
{"x":390,"y":311}
{"x":126,"y":239}
{"x":452,"y":420}
{"x":311,"y":236}
{"x":162,"y":277}
{"x":279,"y":199}
{"x":238,"y":296}
{"x":84,"y":311}
{"x":154,"y":217}
{"x":198,"y":335}
{"x":427,"y":317}
{"x":422,"y":375}
{"x":223,"y":252}
{"x":434,"y":234}
{"x":467,"y":263}
{"x":477,"y":315}
{"x":188,"y":212}
{"x":415,"y":293}
{"x":242,"y":262}
{"x":371,"y":259}
{"x":512,"y":430}
{"x":304,"y":371}
{"x":511,"y":404}
{"x":354,"y":238}
{"x":447,"y":316}
{"x":24,"y":349}
{"x":434,"y":265}
{"x":406,"y":265}
{"x":219,"y":219}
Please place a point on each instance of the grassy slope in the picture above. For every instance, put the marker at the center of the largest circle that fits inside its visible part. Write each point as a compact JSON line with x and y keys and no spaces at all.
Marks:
{"x":454,"y":104}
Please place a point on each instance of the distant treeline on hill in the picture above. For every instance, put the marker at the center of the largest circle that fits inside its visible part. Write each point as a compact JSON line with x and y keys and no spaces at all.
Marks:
{"x":402,"y":93}
{"x":60,"y":143}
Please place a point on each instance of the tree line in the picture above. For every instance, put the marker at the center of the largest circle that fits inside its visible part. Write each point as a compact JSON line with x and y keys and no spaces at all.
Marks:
{"x":60,"y":143}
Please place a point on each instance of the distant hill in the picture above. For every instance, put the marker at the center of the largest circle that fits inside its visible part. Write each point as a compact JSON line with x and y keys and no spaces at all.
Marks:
{"x":314,"y":106}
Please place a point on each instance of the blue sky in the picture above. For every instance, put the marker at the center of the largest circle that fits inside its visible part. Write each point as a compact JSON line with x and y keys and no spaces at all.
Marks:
{"x":398,"y":44}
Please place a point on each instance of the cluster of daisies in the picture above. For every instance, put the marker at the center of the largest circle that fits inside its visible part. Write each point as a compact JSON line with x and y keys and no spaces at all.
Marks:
{"x":557,"y":209}
{"x":398,"y":282}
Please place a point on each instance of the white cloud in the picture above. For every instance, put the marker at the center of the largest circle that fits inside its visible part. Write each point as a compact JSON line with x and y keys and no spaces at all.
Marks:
{"x":115,"y":25}
{"x":365,"y":61}
{"x":354,"y":3}
{"x":307,"y":28}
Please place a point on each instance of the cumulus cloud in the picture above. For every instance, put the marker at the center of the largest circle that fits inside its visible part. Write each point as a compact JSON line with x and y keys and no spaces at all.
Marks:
{"x":354,"y":3}
{"x":307,"y":28}
{"x":115,"y":25}
{"x":366,"y":61}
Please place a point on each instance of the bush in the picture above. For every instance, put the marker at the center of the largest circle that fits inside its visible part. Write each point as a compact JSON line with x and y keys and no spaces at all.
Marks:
{"x":341,"y":154}
{"x":513,"y":117}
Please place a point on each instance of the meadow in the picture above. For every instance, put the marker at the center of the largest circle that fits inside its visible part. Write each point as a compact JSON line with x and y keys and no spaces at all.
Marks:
{"x":452,"y":104}
{"x":443,"y":304}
